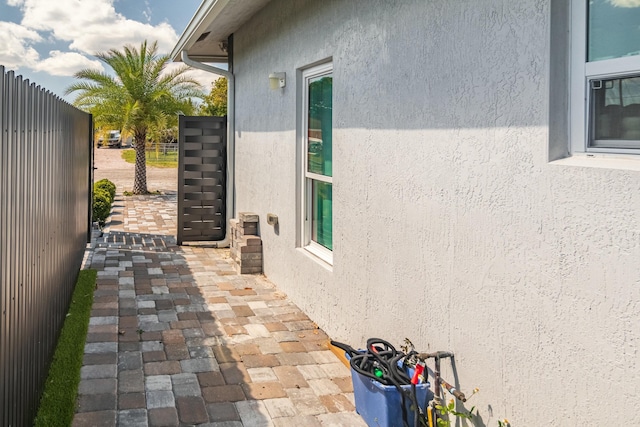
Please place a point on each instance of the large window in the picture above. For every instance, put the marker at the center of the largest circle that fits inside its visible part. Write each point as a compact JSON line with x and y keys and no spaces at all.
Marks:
{"x":317,"y":178}
{"x":605,"y":76}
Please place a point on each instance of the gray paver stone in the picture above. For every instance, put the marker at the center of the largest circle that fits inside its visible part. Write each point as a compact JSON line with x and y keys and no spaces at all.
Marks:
{"x":127,"y":302}
{"x":152,"y":346}
{"x":160,"y":399}
{"x":223,"y":411}
{"x":96,"y":402}
{"x":125,"y":281}
{"x":147,"y":318}
{"x":201,"y":352}
{"x":127,"y":294}
{"x":97,"y":386}
{"x":95,"y":419}
{"x":193,"y":333}
{"x":186,"y":384}
{"x":157,"y":382}
{"x":154,"y":326}
{"x":103,"y":320}
{"x":131,"y":381}
{"x":199,"y":365}
{"x":129,"y":360}
{"x":98,"y":371}
{"x":146,"y":304}
{"x":167,"y":316}
{"x":160,"y":290}
{"x":133,"y":418}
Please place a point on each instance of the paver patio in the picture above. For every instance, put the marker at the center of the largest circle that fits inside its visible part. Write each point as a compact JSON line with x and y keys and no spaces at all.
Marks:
{"x":176,"y":337}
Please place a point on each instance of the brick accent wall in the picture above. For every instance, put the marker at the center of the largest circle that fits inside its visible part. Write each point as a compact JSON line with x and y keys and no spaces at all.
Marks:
{"x":246,"y":245}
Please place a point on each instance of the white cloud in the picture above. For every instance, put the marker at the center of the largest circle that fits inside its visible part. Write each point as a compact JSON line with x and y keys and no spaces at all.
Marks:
{"x":65,"y":16}
{"x":625,"y":3}
{"x":66,"y":63}
{"x":92,"y":26}
{"x":15,"y":45}
{"x":115,"y":35}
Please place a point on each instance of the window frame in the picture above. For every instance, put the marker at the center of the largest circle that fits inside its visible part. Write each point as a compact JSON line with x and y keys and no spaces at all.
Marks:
{"x":581,"y":75}
{"x":307,"y":178}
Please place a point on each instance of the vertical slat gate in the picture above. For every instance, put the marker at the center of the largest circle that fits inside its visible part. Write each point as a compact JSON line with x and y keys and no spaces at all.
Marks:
{"x":45,"y":153}
{"x":202,"y":178}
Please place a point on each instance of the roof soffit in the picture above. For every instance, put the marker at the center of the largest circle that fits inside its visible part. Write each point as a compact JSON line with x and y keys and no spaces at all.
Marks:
{"x":206,"y":34}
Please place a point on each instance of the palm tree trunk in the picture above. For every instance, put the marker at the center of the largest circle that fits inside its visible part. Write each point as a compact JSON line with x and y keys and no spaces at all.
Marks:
{"x":140,"y":179}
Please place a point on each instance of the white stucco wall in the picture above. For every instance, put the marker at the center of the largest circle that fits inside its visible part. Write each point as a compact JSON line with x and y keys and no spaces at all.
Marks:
{"x":450,"y":225}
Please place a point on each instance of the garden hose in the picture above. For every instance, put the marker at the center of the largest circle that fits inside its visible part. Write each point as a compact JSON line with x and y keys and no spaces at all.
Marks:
{"x":383,"y":363}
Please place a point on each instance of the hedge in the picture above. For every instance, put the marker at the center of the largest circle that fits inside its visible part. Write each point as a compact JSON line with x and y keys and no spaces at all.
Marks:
{"x":107,"y":185}
{"x":104,"y":192}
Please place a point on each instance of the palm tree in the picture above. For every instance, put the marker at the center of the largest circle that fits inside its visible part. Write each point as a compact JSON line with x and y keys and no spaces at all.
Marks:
{"x":140,"y":96}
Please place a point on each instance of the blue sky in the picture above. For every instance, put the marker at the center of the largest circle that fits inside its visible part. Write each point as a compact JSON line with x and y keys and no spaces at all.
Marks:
{"x":46,"y":41}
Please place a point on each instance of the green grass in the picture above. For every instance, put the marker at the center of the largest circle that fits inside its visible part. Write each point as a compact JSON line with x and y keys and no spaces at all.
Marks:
{"x":154,"y":159}
{"x":58,"y":402}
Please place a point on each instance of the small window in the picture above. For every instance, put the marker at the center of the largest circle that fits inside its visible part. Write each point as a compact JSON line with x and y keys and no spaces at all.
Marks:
{"x":615,"y":112}
{"x":605,"y":64}
{"x":317,"y":147}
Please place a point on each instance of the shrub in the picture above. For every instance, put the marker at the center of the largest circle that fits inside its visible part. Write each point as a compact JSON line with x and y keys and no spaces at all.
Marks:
{"x":107,"y":185}
{"x":101,"y":205}
{"x":104,"y":191}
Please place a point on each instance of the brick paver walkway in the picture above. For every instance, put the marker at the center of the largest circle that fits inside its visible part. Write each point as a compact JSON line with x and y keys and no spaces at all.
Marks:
{"x":176,"y":337}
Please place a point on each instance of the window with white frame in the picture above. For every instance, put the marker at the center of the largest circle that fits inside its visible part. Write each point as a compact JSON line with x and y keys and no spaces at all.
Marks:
{"x":605,"y":76}
{"x":317,"y":181}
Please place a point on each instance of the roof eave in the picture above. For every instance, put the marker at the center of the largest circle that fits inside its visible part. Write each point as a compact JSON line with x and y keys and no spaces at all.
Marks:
{"x":197,"y":26}
{"x":211,"y":25}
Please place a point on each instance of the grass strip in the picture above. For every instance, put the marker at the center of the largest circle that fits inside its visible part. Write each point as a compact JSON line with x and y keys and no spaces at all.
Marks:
{"x":154,"y":159}
{"x":58,"y":402}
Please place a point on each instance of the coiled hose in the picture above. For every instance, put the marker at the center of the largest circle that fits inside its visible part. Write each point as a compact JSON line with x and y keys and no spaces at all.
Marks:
{"x":382,"y":362}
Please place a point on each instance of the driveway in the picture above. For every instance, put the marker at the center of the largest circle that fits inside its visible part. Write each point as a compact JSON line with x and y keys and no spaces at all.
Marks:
{"x":110,"y":165}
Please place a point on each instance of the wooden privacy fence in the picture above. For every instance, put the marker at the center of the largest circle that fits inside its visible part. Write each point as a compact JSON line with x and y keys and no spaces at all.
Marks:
{"x":45,"y":181}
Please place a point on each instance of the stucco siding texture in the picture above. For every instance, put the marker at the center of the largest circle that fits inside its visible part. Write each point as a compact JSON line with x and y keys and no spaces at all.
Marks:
{"x":450,"y":225}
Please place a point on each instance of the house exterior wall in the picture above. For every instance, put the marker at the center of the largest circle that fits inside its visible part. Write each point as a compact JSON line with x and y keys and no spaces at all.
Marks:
{"x":450,"y":225}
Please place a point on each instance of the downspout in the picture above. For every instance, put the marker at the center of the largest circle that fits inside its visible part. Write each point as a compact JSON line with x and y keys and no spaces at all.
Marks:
{"x":231,"y":121}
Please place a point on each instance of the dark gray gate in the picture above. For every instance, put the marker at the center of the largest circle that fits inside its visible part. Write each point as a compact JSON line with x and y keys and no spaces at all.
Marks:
{"x":202,"y":179}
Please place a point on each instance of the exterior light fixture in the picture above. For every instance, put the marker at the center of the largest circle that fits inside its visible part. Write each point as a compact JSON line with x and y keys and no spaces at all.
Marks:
{"x":272,"y":219}
{"x":277,"y":80}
